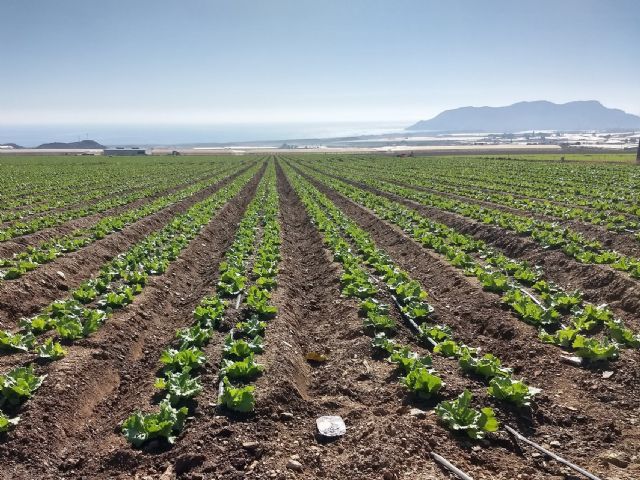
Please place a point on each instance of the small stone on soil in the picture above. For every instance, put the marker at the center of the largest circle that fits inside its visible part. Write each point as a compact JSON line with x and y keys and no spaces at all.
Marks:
{"x":294,"y":465}
{"x":619,"y":459}
{"x":416,"y":412}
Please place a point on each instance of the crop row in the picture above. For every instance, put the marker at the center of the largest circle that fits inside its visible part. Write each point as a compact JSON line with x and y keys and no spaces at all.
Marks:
{"x":368,"y":272}
{"x":520,"y":184}
{"x":32,"y":184}
{"x":600,"y":187}
{"x":548,"y":234}
{"x":562,"y":318}
{"x":91,"y":304}
{"x":34,"y":256}
{"x":246,"y":339}
{"x":182,"y":364}
{"x":73,"y":194}
{"x":603,"y":216}
{"x":18,"y":228}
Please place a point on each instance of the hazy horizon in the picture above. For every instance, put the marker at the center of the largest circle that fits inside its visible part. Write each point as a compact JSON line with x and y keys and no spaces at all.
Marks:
{"x":164,"y":63}
{"x":34,"y":135}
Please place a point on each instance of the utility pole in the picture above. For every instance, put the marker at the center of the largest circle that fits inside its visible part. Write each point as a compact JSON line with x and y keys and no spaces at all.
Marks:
{"x":638,"y":154}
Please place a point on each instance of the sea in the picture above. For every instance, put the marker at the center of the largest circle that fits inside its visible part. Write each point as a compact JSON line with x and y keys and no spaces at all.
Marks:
{"x":185,"y":135}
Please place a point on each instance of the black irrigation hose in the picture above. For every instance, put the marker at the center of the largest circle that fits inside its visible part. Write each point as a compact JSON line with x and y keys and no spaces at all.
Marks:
{"x":449,"y":466}
{"x":522,"y":438}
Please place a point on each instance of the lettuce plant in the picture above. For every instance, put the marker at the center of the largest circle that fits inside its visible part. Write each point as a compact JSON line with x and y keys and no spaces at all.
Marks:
{"x":50,"y":350}
{"x":6,"y":422}
{"x":179,"y":360}
{"x":16,"y":341}
{"x":242,"y":348}
{"x":408,"y":360}
{"x":238,"y":399}
{"x":18,"y":385}
{"x":459,"y":415}
{"x":422,"y":383}
{"x":167,"y":423}
{"x":258,"y":302}
{"x":514,"y":391}
{"x":594,"y":350}
{"x":244,"y":369}
{"x":251,"y":327}
{"x":488,"y":365}
{"x":180,"y":386}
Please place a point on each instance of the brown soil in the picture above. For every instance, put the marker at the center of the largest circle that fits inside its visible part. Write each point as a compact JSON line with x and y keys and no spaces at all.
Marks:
{"x":18,"y":244}
{"x":70,"y":429}
{"x":572,"y":397}
{"x":28,"y":294}
{"x":625,"y":243}
{"x":599,"y":283}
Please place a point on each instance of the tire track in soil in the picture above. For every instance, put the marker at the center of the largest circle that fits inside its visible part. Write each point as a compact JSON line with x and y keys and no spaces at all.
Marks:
{"x":624,"y":243}
{"x":599,"y":283}
{"x":72,"y":425}
{"x":30,"y":293}
{"x":572,"y":398}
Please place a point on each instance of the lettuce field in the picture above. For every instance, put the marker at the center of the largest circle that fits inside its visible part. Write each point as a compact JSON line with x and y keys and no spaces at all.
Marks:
{"x":193,"y":317}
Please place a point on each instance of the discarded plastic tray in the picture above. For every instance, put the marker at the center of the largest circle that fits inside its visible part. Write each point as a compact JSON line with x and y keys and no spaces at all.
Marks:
{"x":331,"y":426}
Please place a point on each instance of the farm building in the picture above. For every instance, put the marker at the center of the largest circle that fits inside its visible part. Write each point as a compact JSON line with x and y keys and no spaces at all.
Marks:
{"x":125,"y":151}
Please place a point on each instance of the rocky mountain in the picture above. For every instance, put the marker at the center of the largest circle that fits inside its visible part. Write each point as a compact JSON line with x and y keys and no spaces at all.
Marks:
{"x":83,"y":144}
{"x":538,"y":115}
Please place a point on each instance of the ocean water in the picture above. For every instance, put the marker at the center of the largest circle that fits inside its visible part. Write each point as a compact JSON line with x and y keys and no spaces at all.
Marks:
{"x":169,"y":135}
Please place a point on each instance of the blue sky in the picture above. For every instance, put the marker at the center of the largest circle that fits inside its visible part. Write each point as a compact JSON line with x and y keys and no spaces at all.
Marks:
{"x":207,"y":61}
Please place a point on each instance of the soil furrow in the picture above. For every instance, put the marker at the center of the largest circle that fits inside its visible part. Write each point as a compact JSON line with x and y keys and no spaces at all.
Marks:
{"x":479,"y":320}
{"x":599,"y":283}
{"x":622,"y":242}
{"x":15,"y":245}
{"x":106,"y":377}
{"x":28,"y":294}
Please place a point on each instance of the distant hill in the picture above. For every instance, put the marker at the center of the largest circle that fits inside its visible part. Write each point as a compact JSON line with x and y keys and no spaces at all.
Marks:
{"x":10,"y":145}
{"x":85,"y":144}
{"x":538,"y":115}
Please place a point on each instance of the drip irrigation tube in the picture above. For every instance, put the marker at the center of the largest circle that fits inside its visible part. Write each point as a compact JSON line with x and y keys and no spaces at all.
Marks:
{"x":557,"y":458}
{"x":449,"y":466}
